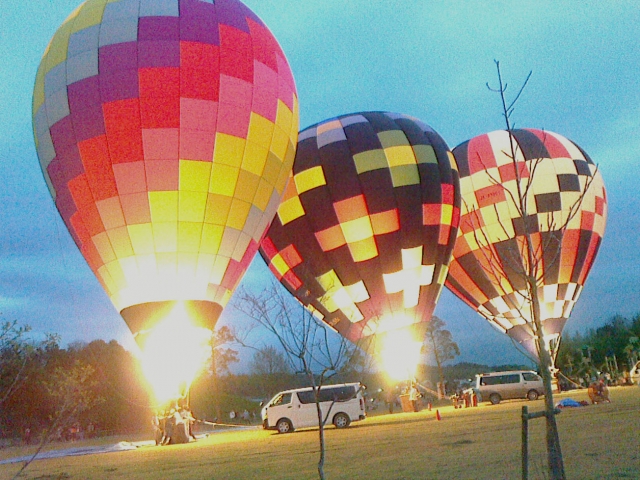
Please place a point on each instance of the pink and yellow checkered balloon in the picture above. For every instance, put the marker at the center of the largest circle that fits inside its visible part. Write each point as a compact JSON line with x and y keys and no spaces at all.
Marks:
{"x":166,"y":131}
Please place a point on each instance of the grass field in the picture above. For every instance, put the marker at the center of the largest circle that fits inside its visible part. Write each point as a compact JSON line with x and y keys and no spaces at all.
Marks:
{"x":598,"y":442}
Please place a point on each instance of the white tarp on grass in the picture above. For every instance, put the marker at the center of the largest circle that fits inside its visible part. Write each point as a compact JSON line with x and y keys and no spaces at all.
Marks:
{"x":69,"y":452}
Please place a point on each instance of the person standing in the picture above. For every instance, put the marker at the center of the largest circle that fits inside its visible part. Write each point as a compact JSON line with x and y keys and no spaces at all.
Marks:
{"x":157,"y":431}
{"x":169,"y":425}
{"x":189,"y":419}
{"x":413,"y":397}
{"x":390,"y":400}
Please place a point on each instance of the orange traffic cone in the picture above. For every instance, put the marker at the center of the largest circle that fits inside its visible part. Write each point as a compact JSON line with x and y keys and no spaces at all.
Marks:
{"x":438,"y":417}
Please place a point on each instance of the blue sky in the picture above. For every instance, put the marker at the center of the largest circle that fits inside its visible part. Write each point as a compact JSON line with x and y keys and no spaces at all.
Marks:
{"x":429,"y":59}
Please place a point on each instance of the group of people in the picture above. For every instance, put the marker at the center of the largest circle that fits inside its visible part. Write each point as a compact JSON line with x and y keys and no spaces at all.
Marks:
{"x":408,"y":397}
{"x":598,"y":392}
{"x":464,"y":399}
{"x":245,"y":416}
{"x":173,"y":425}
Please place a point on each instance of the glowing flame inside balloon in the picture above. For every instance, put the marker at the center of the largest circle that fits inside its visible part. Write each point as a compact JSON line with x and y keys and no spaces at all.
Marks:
{"x":400,"y":355}
{"x":174,"y":353}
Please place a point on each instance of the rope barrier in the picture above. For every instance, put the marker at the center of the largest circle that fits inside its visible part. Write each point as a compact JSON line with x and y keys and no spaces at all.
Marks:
{"x":216,"y":424}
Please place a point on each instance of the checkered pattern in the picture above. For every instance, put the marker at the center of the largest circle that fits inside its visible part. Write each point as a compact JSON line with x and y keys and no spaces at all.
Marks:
{"x":166,"y":131}
{"x":366,"y":228}
{"x":489,"y":252}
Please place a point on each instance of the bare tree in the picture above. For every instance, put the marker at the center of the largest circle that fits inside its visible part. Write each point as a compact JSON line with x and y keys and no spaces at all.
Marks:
{"x":528,"y":260}
{"x":309,"y":347}
{"x":271,"y":369}
{"x":269,"y":361}
{"x":439,"y":343}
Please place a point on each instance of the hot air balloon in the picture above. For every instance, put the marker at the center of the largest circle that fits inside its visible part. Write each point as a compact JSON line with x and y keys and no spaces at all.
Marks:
{"x":166,"y":131}
{"x":366,"y":228}
{"x":565,"y":215}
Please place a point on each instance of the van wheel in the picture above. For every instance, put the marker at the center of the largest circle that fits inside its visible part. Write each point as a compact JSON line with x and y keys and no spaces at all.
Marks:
{"x":341,"y":420}
{"x":284,"y":426}
{"x":494,"y":398}
{"x":532,"y":395}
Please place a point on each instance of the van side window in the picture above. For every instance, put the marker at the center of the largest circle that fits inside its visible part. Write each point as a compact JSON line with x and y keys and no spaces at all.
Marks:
{"x":515,"y":378}
{"x":500,"y":379}
{"x":530,"y":377}
{"x":306,"y":397}
{"x":328,"y":394}
{"x":495,"y":380}
{"x":337,"y":394}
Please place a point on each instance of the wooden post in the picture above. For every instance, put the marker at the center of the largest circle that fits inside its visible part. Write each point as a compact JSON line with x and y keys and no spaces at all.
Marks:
{"x":525,"y":443}
{"x":526,"y":416}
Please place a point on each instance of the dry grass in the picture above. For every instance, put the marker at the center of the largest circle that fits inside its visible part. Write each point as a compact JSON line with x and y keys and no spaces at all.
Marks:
{"x":599,"y":441}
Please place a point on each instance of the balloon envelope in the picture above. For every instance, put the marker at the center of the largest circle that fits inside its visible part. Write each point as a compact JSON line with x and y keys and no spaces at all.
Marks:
{"x":166,"y":131}
{"x":366,"y":229}
{"x":565,"y":216}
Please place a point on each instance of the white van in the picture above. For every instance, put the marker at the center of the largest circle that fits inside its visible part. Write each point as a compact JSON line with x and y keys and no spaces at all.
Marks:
{"x":497,"y":386}
{"x":635,"y":373}
{"x":294,"y":409}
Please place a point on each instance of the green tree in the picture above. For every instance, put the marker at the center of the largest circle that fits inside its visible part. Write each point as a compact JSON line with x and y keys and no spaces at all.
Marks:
{"x":71,"y":391}
{"x":439,"y":344}
{"x":120,"y":381}
{"x":20,"y":357}
{"x":222,"y":356}
{"x":600,"y":349}
{"x":207,"y":395}
{"x":24,"y":363}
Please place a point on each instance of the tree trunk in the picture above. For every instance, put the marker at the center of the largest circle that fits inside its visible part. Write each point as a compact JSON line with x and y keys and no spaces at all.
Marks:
{"x":316,"y":392}
{"x":216,"y":387}
{"x":440,"y":385}
{"x":437,"y":358}
{"x":321,"y":437}
{"x":554,"y":453}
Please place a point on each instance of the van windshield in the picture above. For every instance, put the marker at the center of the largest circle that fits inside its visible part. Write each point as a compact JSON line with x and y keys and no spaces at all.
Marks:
{"x":282,"y":399}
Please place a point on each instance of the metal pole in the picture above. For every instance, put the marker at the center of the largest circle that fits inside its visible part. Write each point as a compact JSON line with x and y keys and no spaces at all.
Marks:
{"x":525,"y":443}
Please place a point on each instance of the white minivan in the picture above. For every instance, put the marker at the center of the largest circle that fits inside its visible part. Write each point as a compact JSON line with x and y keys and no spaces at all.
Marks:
{"x":294,"y":409}
{"x":635,"y":373}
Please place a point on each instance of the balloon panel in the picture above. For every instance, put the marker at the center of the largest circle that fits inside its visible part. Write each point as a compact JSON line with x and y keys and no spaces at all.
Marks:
{"x":490,"y":253}
{"x":366,"y":228}
{"x":166,"y":131}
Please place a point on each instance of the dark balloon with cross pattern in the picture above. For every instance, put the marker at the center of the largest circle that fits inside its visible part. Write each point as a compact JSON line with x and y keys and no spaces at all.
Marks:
{"x":166,"y":131}
{"x":565,"y":216}
{"x":365,"y":231}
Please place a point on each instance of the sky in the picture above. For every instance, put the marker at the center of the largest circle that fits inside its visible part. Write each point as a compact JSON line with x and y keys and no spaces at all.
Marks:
{"x":428,"y":59}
